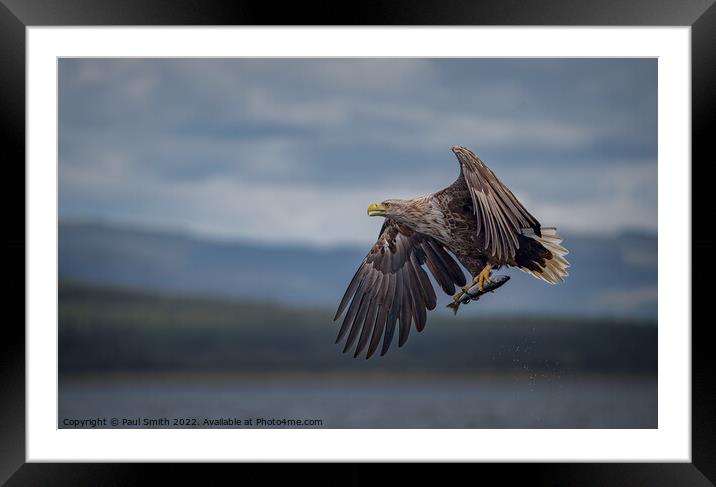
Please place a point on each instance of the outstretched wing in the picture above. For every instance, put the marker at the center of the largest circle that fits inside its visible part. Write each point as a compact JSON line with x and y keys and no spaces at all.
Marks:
{"x":500,"y":216}
{"x":391,"y":286}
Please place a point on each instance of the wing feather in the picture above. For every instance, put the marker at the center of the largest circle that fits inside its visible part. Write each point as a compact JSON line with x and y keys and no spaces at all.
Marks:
{"x":368,"y":326}
{"x":437,"y":269}
{"x":394,"y":313}
{"x":500,"y":215}
{"x":450,"y":264}
{"x":382,"y":318}
{"x":358,"y":323}
{"x":352,"y":311}
{"x":406,"y":313}
{"x":426,"y":287}
{"x":391,"y":286}
{"x":350,"y":292}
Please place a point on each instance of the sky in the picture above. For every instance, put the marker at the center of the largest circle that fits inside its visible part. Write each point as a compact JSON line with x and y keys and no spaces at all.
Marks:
{"x":294,"y":150}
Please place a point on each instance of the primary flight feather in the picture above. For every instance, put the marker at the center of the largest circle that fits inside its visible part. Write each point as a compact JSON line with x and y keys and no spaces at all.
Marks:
{"x":476,"y":220}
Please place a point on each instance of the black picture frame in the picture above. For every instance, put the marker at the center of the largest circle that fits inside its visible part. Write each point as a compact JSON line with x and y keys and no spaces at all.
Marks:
{"x":16,"y":15}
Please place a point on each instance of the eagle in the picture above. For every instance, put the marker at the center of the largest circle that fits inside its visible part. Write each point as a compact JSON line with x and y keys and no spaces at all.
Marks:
{"x":476,"y":221}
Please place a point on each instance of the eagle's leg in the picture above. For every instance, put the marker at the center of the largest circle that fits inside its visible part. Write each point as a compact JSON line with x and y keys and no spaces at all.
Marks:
{"x":483,"y":276}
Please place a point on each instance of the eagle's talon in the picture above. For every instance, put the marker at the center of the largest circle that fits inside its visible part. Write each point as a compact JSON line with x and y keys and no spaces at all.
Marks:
{"x":483,"y":276}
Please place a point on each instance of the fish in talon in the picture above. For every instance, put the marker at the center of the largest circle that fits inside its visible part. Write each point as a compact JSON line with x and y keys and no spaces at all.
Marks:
{"x":474,"y":292}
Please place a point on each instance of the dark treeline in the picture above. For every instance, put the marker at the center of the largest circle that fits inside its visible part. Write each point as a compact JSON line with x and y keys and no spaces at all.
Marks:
{"x":105,"y":329}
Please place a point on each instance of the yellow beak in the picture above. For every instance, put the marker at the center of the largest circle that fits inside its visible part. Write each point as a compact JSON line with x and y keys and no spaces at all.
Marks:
{"x":376,"y":209}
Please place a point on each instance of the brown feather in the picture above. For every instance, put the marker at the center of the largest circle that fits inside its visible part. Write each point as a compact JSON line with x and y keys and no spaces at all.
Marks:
{"x":392,"y":286}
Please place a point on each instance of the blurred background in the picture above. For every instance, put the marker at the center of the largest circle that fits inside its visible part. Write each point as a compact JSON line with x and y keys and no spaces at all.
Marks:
{"x":212,"y":212}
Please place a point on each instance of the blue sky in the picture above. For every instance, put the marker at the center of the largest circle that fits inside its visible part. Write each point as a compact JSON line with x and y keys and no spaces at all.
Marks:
{"x":294,"y":150}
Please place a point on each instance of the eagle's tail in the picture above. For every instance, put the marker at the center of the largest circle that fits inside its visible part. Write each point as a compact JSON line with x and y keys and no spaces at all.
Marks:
{"x":555,"y":269}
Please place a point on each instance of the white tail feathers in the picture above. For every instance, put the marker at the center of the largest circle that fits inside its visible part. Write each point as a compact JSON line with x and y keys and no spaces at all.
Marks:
{"x":555,"y":269}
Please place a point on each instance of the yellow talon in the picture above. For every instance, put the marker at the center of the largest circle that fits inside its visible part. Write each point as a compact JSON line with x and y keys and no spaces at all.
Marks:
{"x":483,"y":276}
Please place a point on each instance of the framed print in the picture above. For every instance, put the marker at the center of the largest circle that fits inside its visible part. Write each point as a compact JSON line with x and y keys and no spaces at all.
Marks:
{"x":203,"y":284}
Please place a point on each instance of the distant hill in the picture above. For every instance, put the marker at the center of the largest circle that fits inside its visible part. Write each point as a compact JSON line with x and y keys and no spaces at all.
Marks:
{"x":109,"y":329}
{"x":610,"y":276}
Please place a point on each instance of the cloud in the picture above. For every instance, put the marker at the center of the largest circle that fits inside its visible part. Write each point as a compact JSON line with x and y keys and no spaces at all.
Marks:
{"x":600,"y":197}
{"x":323,"y":214}
{"x":295,"y":149}
{"x":231,"y":208}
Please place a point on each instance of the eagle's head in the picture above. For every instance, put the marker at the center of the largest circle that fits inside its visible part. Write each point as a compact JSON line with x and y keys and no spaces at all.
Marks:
{"x":419,"y":214}
{"x":405,"y":211}
{"x":388,"y":208}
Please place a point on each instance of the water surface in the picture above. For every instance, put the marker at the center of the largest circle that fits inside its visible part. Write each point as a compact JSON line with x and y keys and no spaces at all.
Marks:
{"x":500,"y":401}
